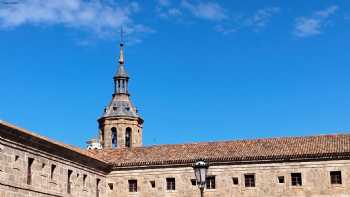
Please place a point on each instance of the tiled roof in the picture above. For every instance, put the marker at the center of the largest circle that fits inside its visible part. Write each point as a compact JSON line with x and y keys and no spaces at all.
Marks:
{"x":258,"y":150}
{"x":321,"y":147}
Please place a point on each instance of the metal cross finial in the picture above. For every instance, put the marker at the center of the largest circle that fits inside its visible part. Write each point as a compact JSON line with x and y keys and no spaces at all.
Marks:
{"x":121,"y":52}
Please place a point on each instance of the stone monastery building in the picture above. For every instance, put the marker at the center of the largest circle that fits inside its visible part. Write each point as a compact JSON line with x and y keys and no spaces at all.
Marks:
{"x":118,"y":165}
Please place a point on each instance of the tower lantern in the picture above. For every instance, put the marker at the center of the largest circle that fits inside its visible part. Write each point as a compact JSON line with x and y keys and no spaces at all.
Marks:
{"x":120,"y":125}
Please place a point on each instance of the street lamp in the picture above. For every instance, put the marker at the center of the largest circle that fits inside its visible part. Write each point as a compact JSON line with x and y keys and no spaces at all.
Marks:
{"x":200,"y":171}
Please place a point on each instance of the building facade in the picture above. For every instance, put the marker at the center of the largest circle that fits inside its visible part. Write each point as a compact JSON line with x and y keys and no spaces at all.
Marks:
{"x":118,"y":165}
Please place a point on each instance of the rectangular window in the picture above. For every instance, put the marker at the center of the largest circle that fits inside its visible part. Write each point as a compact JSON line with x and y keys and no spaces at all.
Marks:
{"x":52,"y":173}
{"x":336,"y":177}
{"x":170,"y":184}
{"x":84,"y":180}
{"x":98,"y":187}
{"x":29,"y":171}
{"x":68,"y":181}
{"x":235,"y":180}
{"x":16,"y":164}
{"x":153,"y":184}
{"x":110,"y":185}
{"x":132,"y":185}
{"x":210,"y":181}
{"x":249,"y":180}
{"x":280,"y":179}
{"x":194,"y":182}
{"x":296,"y":179}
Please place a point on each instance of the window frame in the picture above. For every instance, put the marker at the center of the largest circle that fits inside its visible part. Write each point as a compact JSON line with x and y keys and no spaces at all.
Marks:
{"x":153,"y":184}
{"x":52,"y":172}
{"x":85,"y":176}
{"x":281,"y":179}
{"x":338,"y":177}
{"x":170,"y":184}
{"x":193,"y":182}
{"x":296,"y":179}
{"x":249,"y":180}
{"x":210,"y":182}
{"x":132,"y":185}
{"x":69,"y":182}
{"x":30,"y":171}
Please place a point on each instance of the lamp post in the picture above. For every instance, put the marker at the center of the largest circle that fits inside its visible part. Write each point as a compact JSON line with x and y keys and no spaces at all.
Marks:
{"x":200,"y":171}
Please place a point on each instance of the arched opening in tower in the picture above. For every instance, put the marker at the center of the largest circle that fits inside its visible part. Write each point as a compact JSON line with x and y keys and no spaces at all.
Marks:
{"x":114,"y":137}
{"x":128,"y":137}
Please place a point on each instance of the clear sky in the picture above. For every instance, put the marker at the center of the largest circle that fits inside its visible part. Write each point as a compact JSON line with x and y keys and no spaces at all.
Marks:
{"x":200,"y":70}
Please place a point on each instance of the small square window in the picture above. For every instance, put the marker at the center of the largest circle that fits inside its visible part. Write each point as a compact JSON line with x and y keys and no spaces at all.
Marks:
{"x":249,"y":180}
{"x":281,"y":179}
{"x":194,"y":182}
{"x":170,"y":184}
{"x":235,"y":180}
{"x":210,"y":180}
{"x":132,"y":185}
{"x":336,"y":177}
{"x":296,"y":179}
{"x":110,"y":185}
{"x":153,"y":184}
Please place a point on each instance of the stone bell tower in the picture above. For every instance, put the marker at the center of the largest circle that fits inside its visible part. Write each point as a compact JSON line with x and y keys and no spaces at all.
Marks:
{"x":120,"y":125}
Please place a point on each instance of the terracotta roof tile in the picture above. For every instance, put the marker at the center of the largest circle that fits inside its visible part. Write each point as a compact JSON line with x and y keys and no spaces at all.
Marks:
{"x":270,"y":149}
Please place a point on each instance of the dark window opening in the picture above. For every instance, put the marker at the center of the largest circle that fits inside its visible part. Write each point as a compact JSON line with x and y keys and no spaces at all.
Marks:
{"x":170,"y":184}
{"x":29,"y":171}
{"x":84,"y":180}
{"x":194,"y":182}
{"x":43,"y":165}
{"x":281,"y":179}
{"x":249,"y":180}
{"x":110,"y":185}
{"x":16,"y":158}
{"x":153,"y":184}
{"x":210,"y":182}
{"x":114,"y":137}
{"x":132,"y":185}
{"x":296,"y":179}
{"x":235,"y":180}
{"x":52,"y":174}
{"x":97,"y":187}
{"x":68,"y":181}
{"x":336,"y":177}
{"x":128,"y":137}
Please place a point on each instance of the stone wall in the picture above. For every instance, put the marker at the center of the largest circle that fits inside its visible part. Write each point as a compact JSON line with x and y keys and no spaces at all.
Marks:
{"x":120,"y":124}
{"x":46,"y":180}
{"x":315,"y":181}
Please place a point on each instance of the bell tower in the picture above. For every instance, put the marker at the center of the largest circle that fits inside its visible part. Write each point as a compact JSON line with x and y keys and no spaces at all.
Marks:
{"x":120,"y":125}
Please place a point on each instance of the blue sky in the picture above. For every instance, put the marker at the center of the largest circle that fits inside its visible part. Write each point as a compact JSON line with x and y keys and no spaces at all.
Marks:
{"x":200,"y":70}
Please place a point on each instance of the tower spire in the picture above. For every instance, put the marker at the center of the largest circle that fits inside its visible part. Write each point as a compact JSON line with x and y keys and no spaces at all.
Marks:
{"x":121,"y":78}
{"x":121,"y":52}
{"x":120,"y":125}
